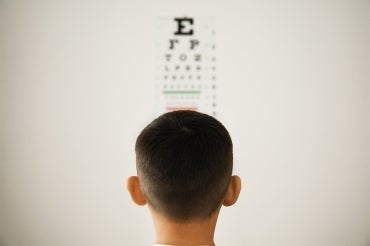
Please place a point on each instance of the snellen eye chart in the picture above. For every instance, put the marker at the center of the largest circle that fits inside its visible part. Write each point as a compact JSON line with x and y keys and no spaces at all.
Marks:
{"x":186,"y":64}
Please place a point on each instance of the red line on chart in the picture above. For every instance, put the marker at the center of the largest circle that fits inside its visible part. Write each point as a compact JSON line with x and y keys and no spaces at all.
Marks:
{"x":181,"y":108}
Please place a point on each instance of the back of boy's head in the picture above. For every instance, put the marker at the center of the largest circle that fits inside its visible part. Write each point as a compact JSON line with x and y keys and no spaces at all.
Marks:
{"x":184,"y":164}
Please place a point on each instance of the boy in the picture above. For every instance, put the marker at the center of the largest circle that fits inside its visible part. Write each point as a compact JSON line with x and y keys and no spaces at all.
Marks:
{"x":184,"y":164}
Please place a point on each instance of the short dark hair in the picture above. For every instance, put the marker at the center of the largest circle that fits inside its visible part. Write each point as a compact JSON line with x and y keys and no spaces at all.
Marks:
{"x":184,"y":164}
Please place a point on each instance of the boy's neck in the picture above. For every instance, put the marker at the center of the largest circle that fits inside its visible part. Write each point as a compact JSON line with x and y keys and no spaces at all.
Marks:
{"x":199,"y":232}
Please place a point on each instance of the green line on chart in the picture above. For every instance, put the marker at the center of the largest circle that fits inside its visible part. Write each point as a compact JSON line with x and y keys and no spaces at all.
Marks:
{"x":181,"y":92}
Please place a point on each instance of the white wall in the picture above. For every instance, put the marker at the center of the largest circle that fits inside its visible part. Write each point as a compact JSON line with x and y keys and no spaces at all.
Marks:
{"x":76,"y":88}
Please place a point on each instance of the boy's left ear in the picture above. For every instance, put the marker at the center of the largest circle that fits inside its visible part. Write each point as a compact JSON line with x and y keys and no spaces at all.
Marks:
{"x":133,"y":187}
{"x":233,"y":191}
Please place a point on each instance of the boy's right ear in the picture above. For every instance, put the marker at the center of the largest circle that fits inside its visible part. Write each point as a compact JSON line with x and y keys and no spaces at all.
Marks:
{"x":133,"y":187}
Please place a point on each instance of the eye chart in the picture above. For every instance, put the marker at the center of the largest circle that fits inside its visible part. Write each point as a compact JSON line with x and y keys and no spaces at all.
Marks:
{"x":186,"y":65}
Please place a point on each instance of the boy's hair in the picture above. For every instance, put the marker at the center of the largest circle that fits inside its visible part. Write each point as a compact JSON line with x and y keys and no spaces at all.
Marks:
{"x":184,"y":163}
